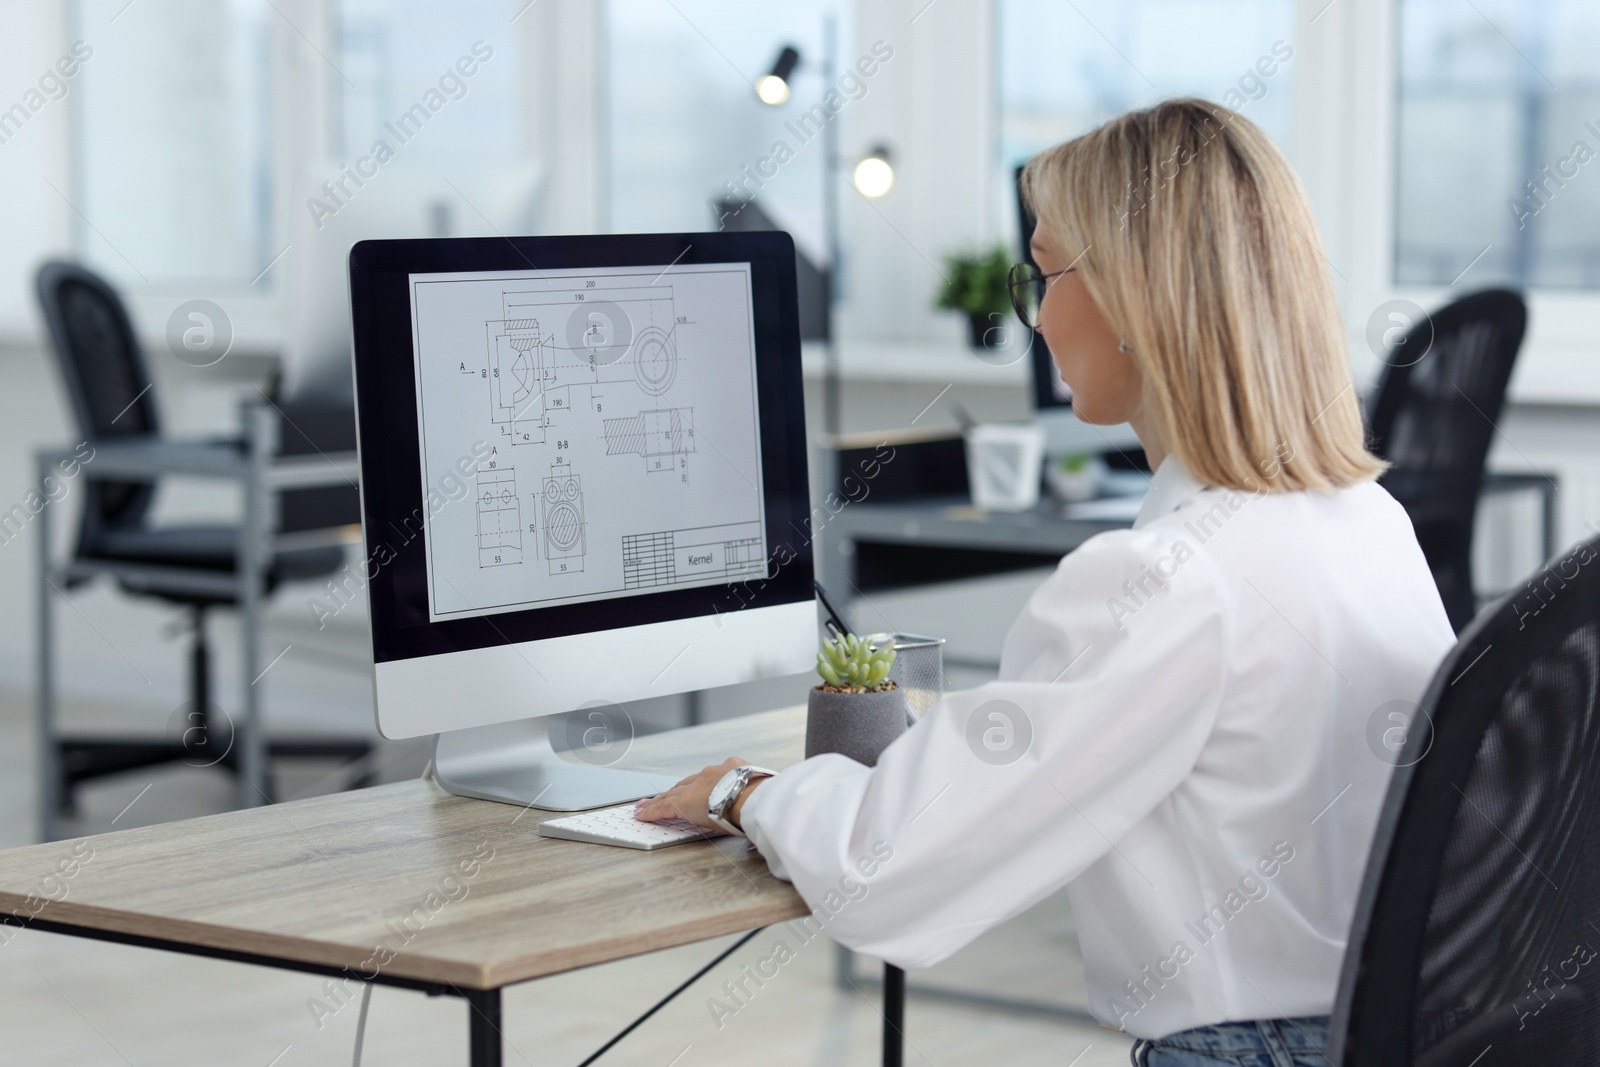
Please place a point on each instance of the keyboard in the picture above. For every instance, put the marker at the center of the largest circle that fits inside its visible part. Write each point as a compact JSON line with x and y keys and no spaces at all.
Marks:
{"x":617,"y":826}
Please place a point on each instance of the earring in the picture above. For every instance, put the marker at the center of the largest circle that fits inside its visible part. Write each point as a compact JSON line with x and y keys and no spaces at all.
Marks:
{"x":1122,"y":346}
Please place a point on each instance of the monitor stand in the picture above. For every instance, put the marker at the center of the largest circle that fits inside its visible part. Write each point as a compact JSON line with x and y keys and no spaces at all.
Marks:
{"x":514,"y":763}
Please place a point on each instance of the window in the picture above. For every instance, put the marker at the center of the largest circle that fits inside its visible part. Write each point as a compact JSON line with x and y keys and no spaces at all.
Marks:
{"x":1499,"y":103}
{"x":686,"y":126}
{"x":178,"y":170}
{"x":173,"y":181}
{"x":426,"y":105}
{"x":393,"y":52}
{"x":1065,"y":68}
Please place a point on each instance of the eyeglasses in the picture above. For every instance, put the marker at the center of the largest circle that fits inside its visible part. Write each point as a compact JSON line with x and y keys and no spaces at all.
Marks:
{"x":1026,"y":283}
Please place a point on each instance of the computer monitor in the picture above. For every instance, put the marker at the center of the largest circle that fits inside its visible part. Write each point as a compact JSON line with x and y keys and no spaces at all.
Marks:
{"x":1049,"y":391}
{"x":1052,"y":397}
{"x":583,"y":480}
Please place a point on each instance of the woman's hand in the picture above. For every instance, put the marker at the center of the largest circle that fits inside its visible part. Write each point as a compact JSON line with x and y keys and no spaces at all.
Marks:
{"x":688,"y":799}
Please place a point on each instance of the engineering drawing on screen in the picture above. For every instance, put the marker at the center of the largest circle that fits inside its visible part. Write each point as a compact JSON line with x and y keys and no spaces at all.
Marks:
{"x":619,"y":410}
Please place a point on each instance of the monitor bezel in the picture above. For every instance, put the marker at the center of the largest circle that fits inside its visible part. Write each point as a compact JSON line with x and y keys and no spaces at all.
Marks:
{"x":390,"y":454}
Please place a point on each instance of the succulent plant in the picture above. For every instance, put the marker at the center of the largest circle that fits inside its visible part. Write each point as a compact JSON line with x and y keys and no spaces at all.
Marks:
{"x":854,"y":665}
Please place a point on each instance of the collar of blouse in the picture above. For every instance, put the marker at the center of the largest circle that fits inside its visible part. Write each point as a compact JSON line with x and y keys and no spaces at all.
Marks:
{"x":1170,"y":486}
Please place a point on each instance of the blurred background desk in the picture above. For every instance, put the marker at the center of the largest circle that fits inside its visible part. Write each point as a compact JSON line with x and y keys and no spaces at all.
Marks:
{"x":901,"y":543}
{"x":899,"y":516}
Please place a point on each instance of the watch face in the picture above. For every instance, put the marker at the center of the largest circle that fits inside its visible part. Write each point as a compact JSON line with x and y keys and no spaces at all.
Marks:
{"x":725,"y":790}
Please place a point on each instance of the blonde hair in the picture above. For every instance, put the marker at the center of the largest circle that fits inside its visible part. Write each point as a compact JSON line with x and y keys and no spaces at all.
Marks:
{"x":1196,"y":240}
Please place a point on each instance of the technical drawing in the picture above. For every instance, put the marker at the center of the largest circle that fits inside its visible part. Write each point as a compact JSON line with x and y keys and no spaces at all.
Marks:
{"x":519,"y":355}
{"x":550,"y":341}
{"x":516,"y":362}
{"x":731,"y":551}
{"x":655,"y":360}
{"x":660,"y":436}
{"x":575,"y":400}
{"x":563,"y":521}
{"x":499,"y":518}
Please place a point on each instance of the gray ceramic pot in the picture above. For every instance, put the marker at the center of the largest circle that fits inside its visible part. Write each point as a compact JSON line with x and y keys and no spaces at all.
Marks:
{"x":858,"y":725}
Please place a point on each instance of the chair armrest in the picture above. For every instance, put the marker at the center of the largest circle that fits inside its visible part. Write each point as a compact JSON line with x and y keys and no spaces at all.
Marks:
{"x":146,"y":459}
{"x":307,"y":472}
{"x":206,"y":459}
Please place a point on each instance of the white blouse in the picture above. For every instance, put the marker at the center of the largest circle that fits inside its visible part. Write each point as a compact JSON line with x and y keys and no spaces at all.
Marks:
{"x":1192,"y":731}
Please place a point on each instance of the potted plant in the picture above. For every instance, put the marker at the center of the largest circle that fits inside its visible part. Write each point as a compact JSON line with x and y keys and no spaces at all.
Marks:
{"x":857,"y":710}
{"x":976,"y":284}
{"x":1075,"y":478}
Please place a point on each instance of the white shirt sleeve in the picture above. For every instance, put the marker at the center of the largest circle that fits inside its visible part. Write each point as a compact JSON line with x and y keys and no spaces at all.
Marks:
{"x":1110,"y":684}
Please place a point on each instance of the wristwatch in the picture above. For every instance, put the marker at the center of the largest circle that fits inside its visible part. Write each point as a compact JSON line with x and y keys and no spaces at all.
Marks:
{"x":725,"y":794}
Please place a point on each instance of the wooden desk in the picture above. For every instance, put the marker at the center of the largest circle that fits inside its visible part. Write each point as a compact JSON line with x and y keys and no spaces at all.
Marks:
{"x":464,"y":893}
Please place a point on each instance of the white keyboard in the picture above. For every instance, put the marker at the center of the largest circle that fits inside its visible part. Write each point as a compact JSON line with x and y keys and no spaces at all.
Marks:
{"x":617,"y":826}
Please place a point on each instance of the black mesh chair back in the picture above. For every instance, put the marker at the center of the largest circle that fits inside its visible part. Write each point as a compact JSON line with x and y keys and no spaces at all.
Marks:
{"x":1433,"y":418}
{"x":107,"y":382}
{"x":311,"y":425}
{"x":1476,"y":940}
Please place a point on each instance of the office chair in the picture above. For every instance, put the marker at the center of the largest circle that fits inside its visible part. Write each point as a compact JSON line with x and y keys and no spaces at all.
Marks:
{"x":1476,"y":938}
{"x":1433,"y":418}
{"x":111,"y":392}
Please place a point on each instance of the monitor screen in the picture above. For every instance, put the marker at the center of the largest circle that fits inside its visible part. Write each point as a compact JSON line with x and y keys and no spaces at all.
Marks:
{"x":613,"y":425}
{"x":569,"y":435}
{"x":1049,"y":391}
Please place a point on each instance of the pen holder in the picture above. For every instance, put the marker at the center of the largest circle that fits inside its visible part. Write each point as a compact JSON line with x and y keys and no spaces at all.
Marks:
{"x":918,"y":668}
{"x":857,"y":725}
{"x":1003,"y":463}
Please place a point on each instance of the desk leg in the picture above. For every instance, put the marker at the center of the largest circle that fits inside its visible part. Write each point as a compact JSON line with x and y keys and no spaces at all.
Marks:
{"x":894,"y":1015}
{"x":483,"y":1028}
{"x":254,"y":558}
{"x":49,"y":756}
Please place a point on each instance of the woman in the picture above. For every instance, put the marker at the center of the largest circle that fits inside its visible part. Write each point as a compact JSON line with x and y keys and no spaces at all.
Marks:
{"x":1178,"y":736}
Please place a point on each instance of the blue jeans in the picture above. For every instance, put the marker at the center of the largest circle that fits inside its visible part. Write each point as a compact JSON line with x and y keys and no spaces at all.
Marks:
{"x":1262,"y":1043}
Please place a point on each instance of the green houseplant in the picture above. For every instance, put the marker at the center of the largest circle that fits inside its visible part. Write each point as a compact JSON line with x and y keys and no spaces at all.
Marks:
{"x":975,"y":284}
{"x":1074,"y":478}
{"x":858,"y":709}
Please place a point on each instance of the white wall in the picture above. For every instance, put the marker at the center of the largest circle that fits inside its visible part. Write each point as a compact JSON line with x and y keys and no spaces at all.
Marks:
{"x":932,"y":105}
{"x":38,"y":221}
{"x":565,"y":87}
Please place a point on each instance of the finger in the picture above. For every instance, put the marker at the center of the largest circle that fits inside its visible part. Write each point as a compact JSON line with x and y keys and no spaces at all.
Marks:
{"x":666,"y":800}
{"x":678,"y":806}
{"x":652,"y":809}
